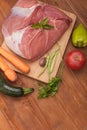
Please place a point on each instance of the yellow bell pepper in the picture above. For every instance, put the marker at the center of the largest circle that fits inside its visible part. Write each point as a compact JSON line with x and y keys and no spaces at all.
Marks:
{"x":79,"y":36}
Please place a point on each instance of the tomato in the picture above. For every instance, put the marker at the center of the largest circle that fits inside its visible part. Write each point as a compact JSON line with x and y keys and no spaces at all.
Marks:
{"x":75,"y":59}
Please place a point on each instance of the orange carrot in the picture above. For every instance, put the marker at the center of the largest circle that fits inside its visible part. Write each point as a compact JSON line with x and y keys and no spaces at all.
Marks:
{"x":13,"y":59}
{"x":9,"y":73}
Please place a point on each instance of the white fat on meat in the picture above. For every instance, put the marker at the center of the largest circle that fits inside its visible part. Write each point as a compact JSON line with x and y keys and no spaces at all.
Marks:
{"x":23,"y":12}
{"x":14,"y":40}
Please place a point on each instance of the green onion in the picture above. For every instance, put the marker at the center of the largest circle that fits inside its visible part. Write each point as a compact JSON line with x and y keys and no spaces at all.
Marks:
{"x":50,"y":62}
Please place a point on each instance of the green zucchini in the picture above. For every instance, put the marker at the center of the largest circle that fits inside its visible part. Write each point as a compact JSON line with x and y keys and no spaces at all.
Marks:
{"x":11,"y":90}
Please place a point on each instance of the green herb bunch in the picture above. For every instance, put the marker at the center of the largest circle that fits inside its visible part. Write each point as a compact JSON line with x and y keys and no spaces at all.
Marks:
{"x":51,"y":88}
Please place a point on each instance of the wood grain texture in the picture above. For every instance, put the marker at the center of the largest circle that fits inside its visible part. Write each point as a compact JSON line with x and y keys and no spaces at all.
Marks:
{"x":66,"y":111}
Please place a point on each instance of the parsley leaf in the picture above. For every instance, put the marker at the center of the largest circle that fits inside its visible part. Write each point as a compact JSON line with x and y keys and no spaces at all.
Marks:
{"x":51,"y":88}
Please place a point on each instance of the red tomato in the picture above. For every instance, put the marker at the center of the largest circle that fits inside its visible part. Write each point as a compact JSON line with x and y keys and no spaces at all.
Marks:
{"x":75,"y":59}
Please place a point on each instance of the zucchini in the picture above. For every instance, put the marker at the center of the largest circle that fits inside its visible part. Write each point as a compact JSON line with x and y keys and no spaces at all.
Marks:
{"x":11,"y":90}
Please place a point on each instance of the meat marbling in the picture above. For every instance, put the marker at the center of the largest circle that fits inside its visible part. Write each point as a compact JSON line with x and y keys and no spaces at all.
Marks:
{"x":31,"y":43}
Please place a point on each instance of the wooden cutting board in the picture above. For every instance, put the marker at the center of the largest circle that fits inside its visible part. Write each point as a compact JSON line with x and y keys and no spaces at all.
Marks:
{"x":34,"y":66}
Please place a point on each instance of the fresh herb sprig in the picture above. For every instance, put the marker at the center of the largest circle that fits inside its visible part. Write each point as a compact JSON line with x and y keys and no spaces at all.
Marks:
{"x":43,"y":24}
{"x":52,"y":86}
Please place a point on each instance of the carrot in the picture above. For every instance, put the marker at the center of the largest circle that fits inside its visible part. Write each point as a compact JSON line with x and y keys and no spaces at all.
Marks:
{"x":9,"y":73}
{"x":19,"y":64}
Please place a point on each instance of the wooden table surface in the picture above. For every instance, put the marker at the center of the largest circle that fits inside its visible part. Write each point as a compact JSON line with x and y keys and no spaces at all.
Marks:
{"x":68,"y":109}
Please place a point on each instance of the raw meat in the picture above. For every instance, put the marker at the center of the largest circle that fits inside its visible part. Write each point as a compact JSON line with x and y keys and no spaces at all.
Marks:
{"x":31,"y":43}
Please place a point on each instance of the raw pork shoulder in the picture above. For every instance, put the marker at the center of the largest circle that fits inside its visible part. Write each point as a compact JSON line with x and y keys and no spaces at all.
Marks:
{"x":26,"y":41}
